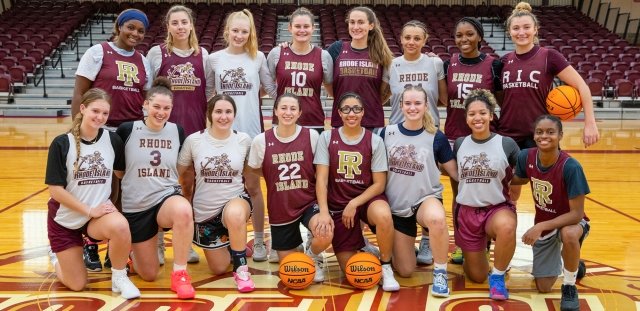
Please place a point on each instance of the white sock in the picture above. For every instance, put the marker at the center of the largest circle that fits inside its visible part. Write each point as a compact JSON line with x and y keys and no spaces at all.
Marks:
{"x":569,"y":277}
{"x":115,"y":272}
{"x":440,"y":266}
{"x":498,"y":272}
{"x":258,"y":237}
{"x":177,"y":267}
{"x":425,"y":238}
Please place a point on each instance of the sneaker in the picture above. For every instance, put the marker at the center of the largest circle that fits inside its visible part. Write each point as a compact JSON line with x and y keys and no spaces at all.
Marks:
{"x":121,"y":284}
{"x":318,"y":262}
{"x":424,"y":253}
{"x":440,"y":286}
{"x":457,"y":257}
{"x":273,"y":256}
{"x":389,"y":283}
{"x":52,"y":257}
{"x":91,"y":257}
{"x":193,"y":256}
{"x":161,"y":250}
{"x":259,"y":251}
{"x":569,"y":300}
{"x":497,"y":288}
{"x":107,"y":260}
{"x":181,"y":284}
{"x":242,"y":277}
{"x":582,"y":270}
{"x":370,"y":248}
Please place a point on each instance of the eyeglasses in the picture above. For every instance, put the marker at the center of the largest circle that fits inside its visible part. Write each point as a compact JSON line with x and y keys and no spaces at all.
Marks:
{"x":355,"y":109}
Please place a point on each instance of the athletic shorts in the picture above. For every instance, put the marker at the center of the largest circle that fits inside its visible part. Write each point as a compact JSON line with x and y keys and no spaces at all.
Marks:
{"x":408,"y":225}
{"x":144,"y":225}
{"x":471,"y":232}
{"x":60,"y":237}
{"x":287,"y":237}
{"x":547,"y":253}
{"x":351,"y":239}
{"x":211,"y":233}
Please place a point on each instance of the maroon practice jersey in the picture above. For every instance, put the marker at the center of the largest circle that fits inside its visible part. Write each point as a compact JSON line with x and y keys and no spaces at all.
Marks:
{"x":349,"y":170}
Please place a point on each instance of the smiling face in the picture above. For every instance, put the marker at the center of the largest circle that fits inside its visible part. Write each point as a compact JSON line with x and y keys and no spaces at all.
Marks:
{"x":413,"y":38}
{"x":288,"y":111}
{"x":222,"y":115}
{"x":359,"y":25}
{"x":523,"y":31}
{"x":130,"y":34}
{"x":95,"y":114}
{"x":467,"y":40}
{"x":351,"y":111}
{"x":413,"y":105}
{"x":159,"y":109}
{"x":239,"y":30}
{"x":301,"y":28}
{"x":547,"y":135}
{"x":479,"y":117}
{"x":180,"y":26}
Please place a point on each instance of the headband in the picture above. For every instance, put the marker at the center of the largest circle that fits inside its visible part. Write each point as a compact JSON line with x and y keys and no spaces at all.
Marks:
{"x":133,"y":14}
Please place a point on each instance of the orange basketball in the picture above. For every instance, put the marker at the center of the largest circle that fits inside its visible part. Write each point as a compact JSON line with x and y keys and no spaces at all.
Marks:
{"x":363,"y":270}
{"x":297,"y":271}
{"x":564,"y":102}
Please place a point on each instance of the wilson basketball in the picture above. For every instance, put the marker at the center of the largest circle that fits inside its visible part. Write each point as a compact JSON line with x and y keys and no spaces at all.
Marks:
{"x":297,"y":271}
{"x":564,"y":102}
{"x":363,"y":270}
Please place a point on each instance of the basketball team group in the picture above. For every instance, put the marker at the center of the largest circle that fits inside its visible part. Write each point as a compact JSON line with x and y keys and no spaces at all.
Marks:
{"x":174,"y":140}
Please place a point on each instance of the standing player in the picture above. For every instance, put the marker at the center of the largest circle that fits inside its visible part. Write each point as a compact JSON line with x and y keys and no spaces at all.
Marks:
{"x":220,"y":203}
{"x":182,"y":61}
{"x":80,"y":166}
{"x":415,"y":68}
{"x":484,"y":210}
{"x":301,"y":69}
{"x":124,"y":74}
{"x":559,"y":186}
{"x":415,"y":148}
{"x":358,"y":66}
{"x":466,"y":71}
{"x":238,"y":71}
{"x":283,"y":155}
{"x":351,"y":172}
{"x":151,"y":198}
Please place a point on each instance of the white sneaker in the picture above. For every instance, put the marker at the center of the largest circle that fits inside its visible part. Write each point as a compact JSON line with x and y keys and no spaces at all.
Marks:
{"x":259,"y":251}
{"x":425,"y":256}
{"x":273,"y":256}
{"x":193,"y":256}
{"x":318,"y":262}
{"x":370,"y":248}
{"x":389,"y":283}
{"x":52,"y":257}
{"x":121,"y":284}
{"x":161,"y":248}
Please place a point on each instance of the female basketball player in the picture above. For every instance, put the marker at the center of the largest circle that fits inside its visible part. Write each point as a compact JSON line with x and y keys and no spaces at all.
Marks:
{"x":351,"y":172}
{"x":301,"y":69}
{"x":283,"y":155}
{"x":415,"y":148}
{"x":484,"y":209}
{"x":220,"y":203}
{"x":527,"y":78}
{"x":151,"y":197}
{"x":183,"y":62}
{"x":239,"y":71}
{"x":117,"y":68}
{"x":367,"y":46}
{"x":559,"y":187}
{"x":80,"y":166}
{"x":466,"y":71}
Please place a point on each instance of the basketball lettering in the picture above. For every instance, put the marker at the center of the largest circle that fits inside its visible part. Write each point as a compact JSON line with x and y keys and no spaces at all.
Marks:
{"x":360,"y":268}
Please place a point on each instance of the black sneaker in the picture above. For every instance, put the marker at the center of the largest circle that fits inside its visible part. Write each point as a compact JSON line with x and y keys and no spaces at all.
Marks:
{"x":107,"y":260}
{"x":569,"y":300}
{"x":582,"y":270}
{"x":91,"y":258}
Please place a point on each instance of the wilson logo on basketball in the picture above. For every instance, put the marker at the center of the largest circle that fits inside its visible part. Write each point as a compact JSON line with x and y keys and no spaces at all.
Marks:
{"x":360,"y":268}
{"x":295,"y":269}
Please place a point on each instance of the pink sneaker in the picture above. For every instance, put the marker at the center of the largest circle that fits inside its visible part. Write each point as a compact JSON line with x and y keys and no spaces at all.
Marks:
{"x":181,"y":284}
{"x":242,"y":277}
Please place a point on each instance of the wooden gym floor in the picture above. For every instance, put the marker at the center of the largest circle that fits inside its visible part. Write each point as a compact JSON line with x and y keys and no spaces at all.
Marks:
{"x":611,"y":252}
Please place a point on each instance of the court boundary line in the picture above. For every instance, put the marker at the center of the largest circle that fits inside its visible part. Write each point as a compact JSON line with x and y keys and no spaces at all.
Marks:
{"x":612,"y":209}
{"x":24,"y":199}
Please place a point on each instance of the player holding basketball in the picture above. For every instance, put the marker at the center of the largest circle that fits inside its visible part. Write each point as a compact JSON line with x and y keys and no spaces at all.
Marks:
{"x":301,"y":69}
{"x":80,"y":166}
{"x":559,"y":186}
{"x":351,"y":172}
{"x":220,"y":203}
{"x":466,"y":71}
{"x":283,"y":156}
{"x":484,"y":209}
{"x":151,"y":196}
{"x":415,"y":148}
